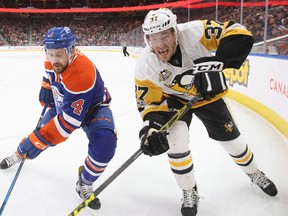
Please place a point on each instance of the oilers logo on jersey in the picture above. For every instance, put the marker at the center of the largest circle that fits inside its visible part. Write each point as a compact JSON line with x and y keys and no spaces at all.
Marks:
{"x":58,"y":98}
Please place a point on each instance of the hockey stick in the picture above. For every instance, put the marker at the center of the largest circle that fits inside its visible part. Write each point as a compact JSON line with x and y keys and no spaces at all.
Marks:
{"x":20,"y":166}
{"x":128,"y":162}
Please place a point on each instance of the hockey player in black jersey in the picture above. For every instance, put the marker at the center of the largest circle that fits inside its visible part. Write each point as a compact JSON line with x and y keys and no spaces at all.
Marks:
{"x":176,"y":65}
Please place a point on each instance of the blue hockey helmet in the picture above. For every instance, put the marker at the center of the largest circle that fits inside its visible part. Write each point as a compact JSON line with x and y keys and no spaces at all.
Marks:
{"x":59,"y":37}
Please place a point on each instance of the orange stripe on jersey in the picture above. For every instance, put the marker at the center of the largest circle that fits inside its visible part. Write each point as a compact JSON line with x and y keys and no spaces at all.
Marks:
{"x":50,"y":133}
{"x":80,"y":75}
{"x":61,"y":119}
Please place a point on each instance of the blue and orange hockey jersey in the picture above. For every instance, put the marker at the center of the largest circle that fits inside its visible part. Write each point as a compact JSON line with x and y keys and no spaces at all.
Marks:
{"x":76,"y":91}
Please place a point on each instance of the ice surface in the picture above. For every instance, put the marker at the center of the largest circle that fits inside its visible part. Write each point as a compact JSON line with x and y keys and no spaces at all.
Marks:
{"x":46,"y":185}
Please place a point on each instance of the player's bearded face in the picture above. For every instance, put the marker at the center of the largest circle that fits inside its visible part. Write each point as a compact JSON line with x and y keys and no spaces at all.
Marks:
{"x":163,"y":44}
{"x":59,"y":59}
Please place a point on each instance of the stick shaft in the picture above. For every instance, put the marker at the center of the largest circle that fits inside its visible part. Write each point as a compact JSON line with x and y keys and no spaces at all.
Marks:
{"x":20,"y":166}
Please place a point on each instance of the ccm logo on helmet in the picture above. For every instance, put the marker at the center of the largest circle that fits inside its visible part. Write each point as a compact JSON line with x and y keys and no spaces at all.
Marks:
{"x":213,"y":66}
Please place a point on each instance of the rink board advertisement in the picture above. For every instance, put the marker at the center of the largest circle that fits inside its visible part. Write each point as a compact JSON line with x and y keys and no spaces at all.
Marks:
{"x":260,"y":84}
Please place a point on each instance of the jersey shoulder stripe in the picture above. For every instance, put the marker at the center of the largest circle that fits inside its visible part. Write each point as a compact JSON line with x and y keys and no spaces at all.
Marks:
{"x":80,"y":75}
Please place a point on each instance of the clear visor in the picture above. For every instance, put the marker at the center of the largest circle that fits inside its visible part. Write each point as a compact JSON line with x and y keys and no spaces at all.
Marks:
{"x":162,"y":37}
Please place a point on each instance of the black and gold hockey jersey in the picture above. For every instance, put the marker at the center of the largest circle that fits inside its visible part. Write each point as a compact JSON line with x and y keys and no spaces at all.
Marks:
{"x":155,"y":81}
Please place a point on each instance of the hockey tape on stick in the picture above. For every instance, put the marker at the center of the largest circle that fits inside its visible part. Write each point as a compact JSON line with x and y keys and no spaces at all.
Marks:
{"x":128,"y":162}
{"x":20,"y":166}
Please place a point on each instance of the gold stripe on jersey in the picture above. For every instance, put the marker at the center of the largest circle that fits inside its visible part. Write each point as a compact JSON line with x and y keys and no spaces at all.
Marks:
{"x":237,"y":31}
{"x":149,"y":97}
{"x":212,"y":34}
{"x":147,"y":91}
{"x":215,"y":31}
{"x":159,"y":108}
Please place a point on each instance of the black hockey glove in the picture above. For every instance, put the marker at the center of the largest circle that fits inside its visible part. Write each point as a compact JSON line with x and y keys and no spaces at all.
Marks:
{"x":209,"y":79}
{"x":45,"y":94}
{"x":153,"y":142}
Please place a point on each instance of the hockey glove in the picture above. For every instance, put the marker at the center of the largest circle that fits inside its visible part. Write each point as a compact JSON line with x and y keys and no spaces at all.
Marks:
{"x":153,"y":142}
{"x":45,"y":95}
{"x":33,"y":145}
{"x":209,"y":79}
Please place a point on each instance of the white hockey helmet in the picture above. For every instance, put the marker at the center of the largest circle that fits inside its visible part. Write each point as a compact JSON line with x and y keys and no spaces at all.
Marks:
{"x":158,"y":21}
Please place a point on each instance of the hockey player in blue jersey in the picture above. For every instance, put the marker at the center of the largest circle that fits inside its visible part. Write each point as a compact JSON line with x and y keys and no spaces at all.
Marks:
{"x":77,"y":98}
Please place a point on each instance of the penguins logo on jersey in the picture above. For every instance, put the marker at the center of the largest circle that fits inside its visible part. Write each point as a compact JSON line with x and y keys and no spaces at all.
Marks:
{"x":164,"y":75}
{"x":229,"y":126}
{"x":183,"y":83}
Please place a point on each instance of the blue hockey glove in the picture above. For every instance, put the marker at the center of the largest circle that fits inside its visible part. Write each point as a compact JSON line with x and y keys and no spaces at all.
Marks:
{"x":153,"y":142}
{"x":209,"y":79}
{"x":45,"y":94}
{"x":33,"y":145}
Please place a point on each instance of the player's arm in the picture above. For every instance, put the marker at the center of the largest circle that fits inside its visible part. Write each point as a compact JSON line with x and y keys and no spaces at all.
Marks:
{"x":232,"y":41}
{"x":57,"y":130}
{"x":149,"y":97}
{"x":74,"y":110}
{"x":153,"y":108}
{"x":50,"y":134}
